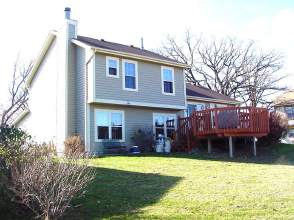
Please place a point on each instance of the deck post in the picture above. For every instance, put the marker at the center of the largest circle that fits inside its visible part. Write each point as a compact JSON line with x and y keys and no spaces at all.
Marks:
{"x":209,"y":145}
{"x":231,"y":147}
{"x":254,"y":146}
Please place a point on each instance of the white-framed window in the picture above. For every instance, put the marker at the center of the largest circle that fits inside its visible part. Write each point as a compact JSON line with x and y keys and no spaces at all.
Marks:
{"x":109,"y":125}
{"x":130,"y":75}
{"x":164,"y":124}
{"x":112,"y":67}
{"x":168,"y":80}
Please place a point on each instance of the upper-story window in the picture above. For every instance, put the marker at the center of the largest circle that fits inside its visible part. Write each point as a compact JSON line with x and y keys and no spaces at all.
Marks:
{"x":130,"y":75}
{"x":167,"y":76}
{"x":112,"y":67}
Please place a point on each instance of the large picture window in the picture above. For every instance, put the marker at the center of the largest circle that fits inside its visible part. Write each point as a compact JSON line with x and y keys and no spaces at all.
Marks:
{"x":167,"y":75}
{"x":109,"y":125}
{"x":164,"y":124}
{"x":130,"y":72}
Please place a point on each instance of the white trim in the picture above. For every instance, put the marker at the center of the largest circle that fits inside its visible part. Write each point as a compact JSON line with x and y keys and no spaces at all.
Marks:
{"x":143,"y":104}
{"x":185,"y":89}
{"x":173,"y":80}
{"x":192,"y":98}
{"x":94,"y":77}
{"x":136,"y":75}
{"x":46,"y":46}
{"x":20,"y":117}
{"x":130,"y":55}
{"x":109,"y":111}
{"x":107,"y":67}
{"x":81,"y":44}
{"x":164,"y":127}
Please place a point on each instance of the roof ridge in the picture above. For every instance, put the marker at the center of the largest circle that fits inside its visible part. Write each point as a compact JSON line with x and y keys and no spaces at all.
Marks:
{"x":112,"y":42}
{"x":124,"y":48}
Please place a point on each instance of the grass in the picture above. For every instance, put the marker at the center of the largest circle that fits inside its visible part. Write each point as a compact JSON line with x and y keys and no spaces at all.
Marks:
{"x":180,"y":186}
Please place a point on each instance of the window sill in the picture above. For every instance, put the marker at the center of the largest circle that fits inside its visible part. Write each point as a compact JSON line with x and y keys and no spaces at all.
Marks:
{"x":165,"y":93}
{"x":113,"y":76}
{"x":130,"y":90}
{"x":109,"y":141}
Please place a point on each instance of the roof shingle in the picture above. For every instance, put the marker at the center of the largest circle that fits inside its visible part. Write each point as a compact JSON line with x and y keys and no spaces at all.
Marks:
{"x":123,"y":48}
{"x":202,"y":92}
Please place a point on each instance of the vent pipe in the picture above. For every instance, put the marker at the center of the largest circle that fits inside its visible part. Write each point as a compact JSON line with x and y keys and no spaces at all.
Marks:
{"x":142,"y":43}
{"x":67,"y":13}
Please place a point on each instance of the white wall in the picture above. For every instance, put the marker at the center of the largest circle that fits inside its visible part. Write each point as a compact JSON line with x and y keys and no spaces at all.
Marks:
{"x":41,"y":121}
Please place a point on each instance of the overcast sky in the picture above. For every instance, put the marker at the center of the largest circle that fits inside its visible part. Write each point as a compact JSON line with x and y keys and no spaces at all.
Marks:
{"x":25,"y":24}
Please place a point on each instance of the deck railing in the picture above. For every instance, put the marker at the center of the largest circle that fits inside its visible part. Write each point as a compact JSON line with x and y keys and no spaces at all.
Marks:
{"x":226,"y":121}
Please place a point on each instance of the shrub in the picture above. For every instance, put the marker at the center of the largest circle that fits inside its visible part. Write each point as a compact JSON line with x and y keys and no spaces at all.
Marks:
{"x":73,"y":145}
{"x":278,"y":124}
{"x":47,"y":185}
{"x":144,"y":139}
{"x":13,"y":141}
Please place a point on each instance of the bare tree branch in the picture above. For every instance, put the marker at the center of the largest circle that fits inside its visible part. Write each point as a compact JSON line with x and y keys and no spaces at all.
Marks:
{"x":18,"y":94}
{"x":230,"y":67}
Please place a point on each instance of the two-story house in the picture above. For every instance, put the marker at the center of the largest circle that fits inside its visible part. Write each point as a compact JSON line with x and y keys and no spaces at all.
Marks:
{"x":103,"y":91}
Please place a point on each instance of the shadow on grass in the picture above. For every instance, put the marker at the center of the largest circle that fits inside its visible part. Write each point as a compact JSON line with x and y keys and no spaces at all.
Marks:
{"x":281,"y":154}
{"x":117,"y":192}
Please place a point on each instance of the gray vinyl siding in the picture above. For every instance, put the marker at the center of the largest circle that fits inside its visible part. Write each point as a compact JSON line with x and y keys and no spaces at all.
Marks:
{"x":71,"y":81}
{"x":80,"y":91}
{"x":149,"y":84}
{"x":135,"y":118}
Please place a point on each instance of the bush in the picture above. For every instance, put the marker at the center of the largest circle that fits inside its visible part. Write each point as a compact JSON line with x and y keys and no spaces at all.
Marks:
{"x":47,"y":185}
{"x":278,"y":124}
{"x":144,"y":139}
{"x":73,"y":145}
{"x":13,"y":141}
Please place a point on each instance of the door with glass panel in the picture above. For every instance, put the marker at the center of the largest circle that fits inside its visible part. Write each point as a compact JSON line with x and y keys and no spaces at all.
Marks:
{"x":164,"y":124}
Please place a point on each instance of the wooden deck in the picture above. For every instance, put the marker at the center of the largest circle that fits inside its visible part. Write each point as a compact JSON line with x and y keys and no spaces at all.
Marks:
{"x":224,"y":122}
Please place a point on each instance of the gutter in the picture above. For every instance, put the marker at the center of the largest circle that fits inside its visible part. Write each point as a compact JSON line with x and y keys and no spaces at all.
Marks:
{"x":194,"y":98}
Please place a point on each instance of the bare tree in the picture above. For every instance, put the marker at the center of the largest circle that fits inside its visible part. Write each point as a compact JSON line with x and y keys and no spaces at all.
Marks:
{"x":47,"y":186}
{"x":230,"y":67}
{"x":18,"y":94}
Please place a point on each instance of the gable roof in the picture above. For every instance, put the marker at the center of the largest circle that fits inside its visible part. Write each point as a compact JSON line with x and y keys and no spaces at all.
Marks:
{"x":196,"y":92}
{"x":108,"y":46}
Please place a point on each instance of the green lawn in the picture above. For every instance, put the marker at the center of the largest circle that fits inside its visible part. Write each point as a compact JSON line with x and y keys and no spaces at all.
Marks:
{"x":180,"y":186}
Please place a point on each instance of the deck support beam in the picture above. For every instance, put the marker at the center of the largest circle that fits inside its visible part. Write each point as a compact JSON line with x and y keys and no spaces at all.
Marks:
{"x":209,"y":145}
{"x":231,"y":147}
{"x":254,"y":146}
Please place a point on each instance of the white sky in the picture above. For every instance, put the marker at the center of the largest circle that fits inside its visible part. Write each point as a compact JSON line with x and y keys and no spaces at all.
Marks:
{"x":25,"y":24}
